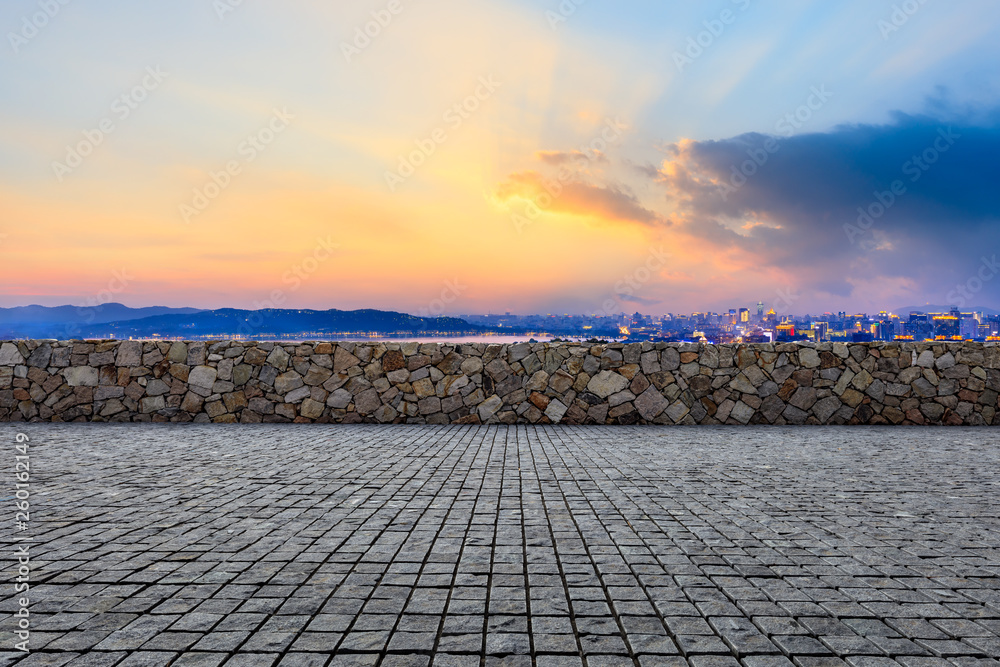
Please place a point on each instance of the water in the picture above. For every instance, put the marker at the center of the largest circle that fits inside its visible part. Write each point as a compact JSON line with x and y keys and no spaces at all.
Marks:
{"x":380,"y":339}
{"x":453,"y":340}
{"x":499,"y":340}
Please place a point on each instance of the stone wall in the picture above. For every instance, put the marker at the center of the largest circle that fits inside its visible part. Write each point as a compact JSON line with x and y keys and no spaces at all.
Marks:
{"x":539,"y":383}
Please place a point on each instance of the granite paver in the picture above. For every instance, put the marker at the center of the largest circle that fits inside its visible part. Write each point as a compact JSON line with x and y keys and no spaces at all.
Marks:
{"x":507,"y":545}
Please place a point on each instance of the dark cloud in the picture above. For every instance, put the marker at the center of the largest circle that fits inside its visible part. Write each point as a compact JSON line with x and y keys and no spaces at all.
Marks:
{"x":641,"y":300}
{"x":794,"y":202}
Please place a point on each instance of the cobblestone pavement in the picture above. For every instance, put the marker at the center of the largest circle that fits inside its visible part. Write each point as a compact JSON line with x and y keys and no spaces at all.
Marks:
{"x":548,"y":546}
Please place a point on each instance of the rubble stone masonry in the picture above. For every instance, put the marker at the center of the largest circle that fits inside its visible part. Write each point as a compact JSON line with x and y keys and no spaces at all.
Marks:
{"x":538,"y":383}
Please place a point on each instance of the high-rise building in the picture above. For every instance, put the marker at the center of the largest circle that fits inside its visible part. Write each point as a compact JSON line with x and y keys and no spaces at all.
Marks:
{"x":946,"y":325}
{"x":920,"y":326}
{"x":744,"y":314}
{"x":760,"y":311}
{"x":969,"y":327}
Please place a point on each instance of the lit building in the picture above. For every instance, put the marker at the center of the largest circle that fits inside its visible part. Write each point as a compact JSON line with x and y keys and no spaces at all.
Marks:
{"x":946,"y":325}
{"x":920,"y":326}
{"x":785,"y":330}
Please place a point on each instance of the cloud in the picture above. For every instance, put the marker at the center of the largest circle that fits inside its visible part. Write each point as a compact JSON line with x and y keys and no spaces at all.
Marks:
{"x":558,"y":158}
{"x":577,"y":198}
{"x":642,"y":301}
{"x":905,"y":202}
{"x":645,"y":169}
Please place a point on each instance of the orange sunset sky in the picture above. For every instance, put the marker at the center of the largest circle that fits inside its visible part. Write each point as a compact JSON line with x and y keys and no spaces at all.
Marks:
{"x":259,"y":150}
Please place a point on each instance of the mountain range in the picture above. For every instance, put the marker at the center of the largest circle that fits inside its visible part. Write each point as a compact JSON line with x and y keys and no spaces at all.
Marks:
{"x":928,"y":308}
{"x":68,"y":321}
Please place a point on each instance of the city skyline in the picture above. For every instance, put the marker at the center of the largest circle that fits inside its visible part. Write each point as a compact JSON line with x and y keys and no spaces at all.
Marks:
{"x":737,"y":325}
{"x":438,"y":312}
{"x":662,"y":158}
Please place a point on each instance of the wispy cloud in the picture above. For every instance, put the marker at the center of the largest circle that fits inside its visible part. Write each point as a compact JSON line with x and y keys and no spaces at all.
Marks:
{"x":608,"y":203}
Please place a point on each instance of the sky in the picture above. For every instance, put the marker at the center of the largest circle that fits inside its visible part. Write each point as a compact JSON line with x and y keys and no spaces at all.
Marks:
{"x":462,"y":156}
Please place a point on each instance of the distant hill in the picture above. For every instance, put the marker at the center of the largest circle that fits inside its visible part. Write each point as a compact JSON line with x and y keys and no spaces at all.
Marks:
{"x":276,"y":323}
{"x":905,"y":311}
{"x":66,"y":321}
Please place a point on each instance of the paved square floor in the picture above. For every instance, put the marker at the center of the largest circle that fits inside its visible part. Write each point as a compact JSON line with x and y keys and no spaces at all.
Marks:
{"x":550,"y":546}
